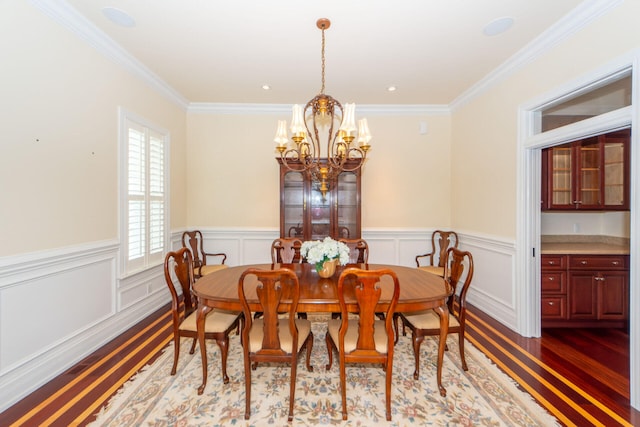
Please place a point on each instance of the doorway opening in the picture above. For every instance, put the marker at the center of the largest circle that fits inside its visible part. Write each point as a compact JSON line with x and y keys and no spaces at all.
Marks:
{"x":534,"y":138}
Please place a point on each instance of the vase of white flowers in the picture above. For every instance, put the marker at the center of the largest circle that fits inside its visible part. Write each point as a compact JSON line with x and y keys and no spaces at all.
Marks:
{"x":325,"y":254}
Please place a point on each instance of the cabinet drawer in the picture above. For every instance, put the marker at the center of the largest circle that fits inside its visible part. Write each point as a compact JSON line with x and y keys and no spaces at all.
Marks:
{"x":554,"y":307}
{"x":599,"y":262}
{"x":553,"y":262}
{"x":554,"y":282}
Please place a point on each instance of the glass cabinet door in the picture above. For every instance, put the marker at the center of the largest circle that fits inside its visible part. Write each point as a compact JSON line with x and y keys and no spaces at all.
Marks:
{"x":293,"y":204}
{"x":589,"y":174}
{"x":614,"y":174}
{"x":561,"y":176}
{"x":347,"y":205}
{"x":320,"y":211}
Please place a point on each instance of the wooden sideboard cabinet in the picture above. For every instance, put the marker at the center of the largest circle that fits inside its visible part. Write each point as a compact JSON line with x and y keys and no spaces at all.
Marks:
{"x":585,"y":290}
{"x":589,"y":174}
{"x":306,"y":214}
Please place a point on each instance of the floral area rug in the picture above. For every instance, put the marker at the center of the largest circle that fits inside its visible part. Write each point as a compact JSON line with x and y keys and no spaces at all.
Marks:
{"x":482,"y":396}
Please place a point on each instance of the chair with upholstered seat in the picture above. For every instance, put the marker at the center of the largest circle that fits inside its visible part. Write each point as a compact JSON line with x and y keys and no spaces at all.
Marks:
{"x":218,"y":324}
{"x":365,"y":339}
{"x":428,"y":322}
{"x":273,"y":338}
{"x":441,"y":241}
{"x":286,"y":250}
{"x":358,"y":250}
{"x":201,"y":264}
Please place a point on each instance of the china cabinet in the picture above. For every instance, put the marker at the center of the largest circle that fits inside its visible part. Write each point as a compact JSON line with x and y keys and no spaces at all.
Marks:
{"x":308,"y":214}
{"x":588,"y":174}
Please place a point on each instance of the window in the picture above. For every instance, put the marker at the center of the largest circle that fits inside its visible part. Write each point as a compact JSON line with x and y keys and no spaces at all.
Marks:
{"x":144,"y":193}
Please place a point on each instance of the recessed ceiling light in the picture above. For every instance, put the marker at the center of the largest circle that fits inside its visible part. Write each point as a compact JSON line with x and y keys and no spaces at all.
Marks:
{"x":498,"y":26}
{"x":119,"y":17}
{"x":392,"y":88}
{"x":266,"y":87}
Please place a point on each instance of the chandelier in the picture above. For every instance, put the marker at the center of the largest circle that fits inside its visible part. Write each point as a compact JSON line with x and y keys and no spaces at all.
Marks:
{"x":323,"y":119}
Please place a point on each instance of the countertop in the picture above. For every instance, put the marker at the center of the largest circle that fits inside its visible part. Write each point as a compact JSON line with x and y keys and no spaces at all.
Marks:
{"x":584,"y":245}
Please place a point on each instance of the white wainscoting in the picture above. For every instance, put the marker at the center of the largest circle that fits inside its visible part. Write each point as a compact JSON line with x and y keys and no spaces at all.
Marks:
{"x":56,"y":307}
{"x":493,"y":287}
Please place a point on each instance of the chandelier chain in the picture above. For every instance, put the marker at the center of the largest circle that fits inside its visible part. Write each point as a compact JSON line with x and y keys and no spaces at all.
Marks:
{"x":322,"y":89}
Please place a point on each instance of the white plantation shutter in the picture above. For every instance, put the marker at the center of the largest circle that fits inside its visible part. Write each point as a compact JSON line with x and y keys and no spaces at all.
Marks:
{"x":146,"y":203}
{"x":156,"y":194}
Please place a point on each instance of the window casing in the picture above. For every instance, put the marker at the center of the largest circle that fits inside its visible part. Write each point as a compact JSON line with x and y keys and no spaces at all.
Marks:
{"x":144,"y":193}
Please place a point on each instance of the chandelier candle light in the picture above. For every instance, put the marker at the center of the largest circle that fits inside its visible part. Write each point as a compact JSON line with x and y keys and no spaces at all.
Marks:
{"x":327,"y":251}
{"x":317,"y":119}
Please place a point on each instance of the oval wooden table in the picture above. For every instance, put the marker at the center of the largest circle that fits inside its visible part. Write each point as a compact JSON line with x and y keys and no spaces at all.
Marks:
{"x":419,"y":290}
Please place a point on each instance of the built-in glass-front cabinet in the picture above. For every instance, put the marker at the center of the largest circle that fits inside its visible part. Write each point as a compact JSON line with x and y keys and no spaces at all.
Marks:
{"x":589,"y":174}
{"x":307,"y":214}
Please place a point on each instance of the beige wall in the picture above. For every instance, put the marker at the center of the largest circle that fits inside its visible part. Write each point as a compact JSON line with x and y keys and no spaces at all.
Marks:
{"x":59,"y":149}
{"x":485,"y":129}
{"x":234,"y":180}
{"x":58,"y":169}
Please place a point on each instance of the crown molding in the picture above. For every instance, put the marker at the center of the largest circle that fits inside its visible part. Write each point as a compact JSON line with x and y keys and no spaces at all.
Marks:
{"x":578,"y":18}
{"x":64,"y":14}
{"x":279,"y":109}
{"x":585,"y":13}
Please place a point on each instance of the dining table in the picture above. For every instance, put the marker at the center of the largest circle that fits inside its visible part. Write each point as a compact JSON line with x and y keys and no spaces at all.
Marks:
{"x":419,"y":290}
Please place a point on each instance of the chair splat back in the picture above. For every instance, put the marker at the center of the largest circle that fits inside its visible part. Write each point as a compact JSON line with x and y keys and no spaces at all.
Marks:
{"x":358,"y":250}
{"x":183,"y":270}
{"x":445,"y":240}
{"x":270,"y":292}
{"x":454,"y":270}
{"x":286,"y":251}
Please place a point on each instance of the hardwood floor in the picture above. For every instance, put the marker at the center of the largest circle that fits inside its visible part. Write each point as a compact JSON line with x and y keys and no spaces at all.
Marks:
{"x":580,"y":375}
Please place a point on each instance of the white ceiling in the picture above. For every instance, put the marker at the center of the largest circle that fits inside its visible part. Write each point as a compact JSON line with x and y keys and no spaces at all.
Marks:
{"x":225,"y":51}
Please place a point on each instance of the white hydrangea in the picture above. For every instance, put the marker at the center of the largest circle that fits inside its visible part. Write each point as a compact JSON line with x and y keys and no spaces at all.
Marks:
{"x":317,"y":252}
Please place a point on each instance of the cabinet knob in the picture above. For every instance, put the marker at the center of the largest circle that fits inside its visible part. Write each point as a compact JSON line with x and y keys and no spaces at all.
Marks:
{"x":552,"y":262}
{"x":550,"y":302}
{"x":615,"y":263}
{"x":599,"y":278}
{"x":550,"y":279}
{"x":583,"y":262}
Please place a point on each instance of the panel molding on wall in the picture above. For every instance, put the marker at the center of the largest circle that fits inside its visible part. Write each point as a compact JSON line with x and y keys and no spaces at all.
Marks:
{"x":66,"y":303}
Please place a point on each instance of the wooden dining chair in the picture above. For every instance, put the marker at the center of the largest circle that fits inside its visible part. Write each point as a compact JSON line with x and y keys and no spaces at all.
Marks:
{"x":201,"y":259}
{"x":358,"y":250}
{"x":441,"y":241}
{"x":286,"y":250}
{"x":273,"y":338}
{"x":365,"y":339}
{"x":218,"y":323}
{"x":428,"y":322}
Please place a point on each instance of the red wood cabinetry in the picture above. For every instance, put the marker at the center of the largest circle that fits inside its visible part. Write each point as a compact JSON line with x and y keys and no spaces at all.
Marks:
{"x":589,"y":174}
{"x":585,"y":290}
{"x":308,"y":214}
